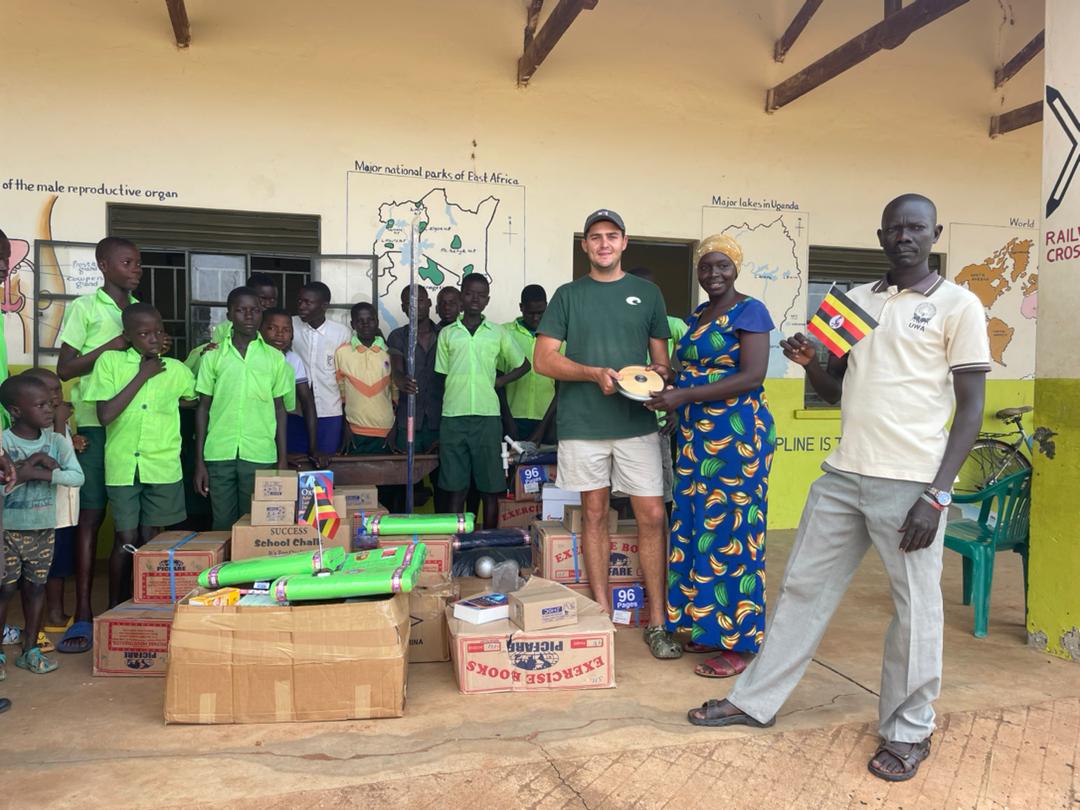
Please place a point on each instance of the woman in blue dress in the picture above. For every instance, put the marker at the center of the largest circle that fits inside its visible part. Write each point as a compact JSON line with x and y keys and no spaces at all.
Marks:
{"x":716,"y":568}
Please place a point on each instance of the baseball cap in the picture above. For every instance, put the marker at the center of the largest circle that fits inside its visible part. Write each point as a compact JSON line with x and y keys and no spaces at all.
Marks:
{"x":603,"y":215}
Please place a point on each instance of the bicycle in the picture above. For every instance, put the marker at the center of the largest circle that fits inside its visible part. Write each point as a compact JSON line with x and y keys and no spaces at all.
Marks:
{"x":992,"y":457}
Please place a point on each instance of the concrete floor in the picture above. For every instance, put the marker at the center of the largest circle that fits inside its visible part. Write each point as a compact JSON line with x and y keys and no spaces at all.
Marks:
{"x":72,"y":739}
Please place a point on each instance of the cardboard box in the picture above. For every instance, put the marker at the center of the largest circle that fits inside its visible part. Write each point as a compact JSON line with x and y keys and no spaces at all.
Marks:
{"x":498,"y":657}
{"x":429,"y":639}
{"x":132,"y":640}
{"x":543,"y":607}
{"x":357,"y":498}
{"x":638,"y":618}
{"x":572,"y":516}
{"x":518,"y":513}
{"x":557,"y":553}
{"x":273,"y":513}
{"x":530,"y":478}
{"x":240,"y":664}
{"x":555,"y":500}
{"x":158,"y":581}
{"x":273,"y":541}
{"x":275,"y":485}
{"x":440,"y":550}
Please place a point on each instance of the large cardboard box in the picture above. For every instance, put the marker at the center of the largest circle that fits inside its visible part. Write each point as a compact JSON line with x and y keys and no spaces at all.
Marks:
{"x":239,"y":664}
{"x":273,"y":541}
{"x":498,"y":657}
{"x":429,"y":639}
{"x":555,"y":500}
{"x":529,"y":479}
{"x":572,"y":517}
{"x":440,"y":550}
{"x":273,"y":513}
{"x":557,"y":553}
{"x":167,"y":567}
{"x":132,"y":639}
{"x":518,"y":513}
{"x":275,"y":485}
{"x":638,"y":617}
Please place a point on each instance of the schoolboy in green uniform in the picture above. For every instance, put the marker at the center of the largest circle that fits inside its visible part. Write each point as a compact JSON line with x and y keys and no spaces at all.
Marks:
{"x":245,"y":389}
{"x":530,"y":401}
{"x":264,"y":287}
{"x":469,"y":353}
{"x":137,"y":395}
{"x":92,"y":326}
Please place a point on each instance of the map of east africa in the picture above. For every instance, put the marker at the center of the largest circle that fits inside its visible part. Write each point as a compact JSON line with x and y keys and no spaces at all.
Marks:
{"x":992,"y":280}
{"x":453,"y":240}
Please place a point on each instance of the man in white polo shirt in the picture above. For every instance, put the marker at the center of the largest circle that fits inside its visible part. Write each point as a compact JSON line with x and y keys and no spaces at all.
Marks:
{"x":886,"y":486}
{"x":316,"y":340}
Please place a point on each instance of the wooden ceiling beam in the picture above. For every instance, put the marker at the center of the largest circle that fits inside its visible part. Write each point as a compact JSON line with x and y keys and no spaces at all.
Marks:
{"x":532,"y":19}
{"x":560,"y":19}
{"x":798,"y":23}
{"x":893,"y":6}
{"x":1016,"y":119}
{"x":885,"y":35}
{"x":1023,"y":56}
{"x":180,"y":25}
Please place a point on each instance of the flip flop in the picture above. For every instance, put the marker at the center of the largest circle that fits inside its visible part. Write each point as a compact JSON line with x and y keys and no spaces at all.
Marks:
{"x":12,"y":634}
{"x":56,"y":628}
{"x":77,"y":630}
{"x":725,"y":665}
{"x":710,"y":718}
{"x":34,"y":660}
{"x":44,"y":643}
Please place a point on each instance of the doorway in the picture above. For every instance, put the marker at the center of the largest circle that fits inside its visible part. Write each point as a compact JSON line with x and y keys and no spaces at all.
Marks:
{"x":671,"y":263}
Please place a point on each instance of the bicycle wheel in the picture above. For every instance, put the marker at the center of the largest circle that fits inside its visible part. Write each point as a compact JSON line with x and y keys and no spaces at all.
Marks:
{"x":989,"y":461}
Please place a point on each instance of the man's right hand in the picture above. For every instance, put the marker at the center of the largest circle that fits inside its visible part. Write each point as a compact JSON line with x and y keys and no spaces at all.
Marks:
{"x":605,"y":378}
{"x":799,"y":349}
{"x":151,"y":367}
{"x":409,"y":386}
{"x":201,"y":481}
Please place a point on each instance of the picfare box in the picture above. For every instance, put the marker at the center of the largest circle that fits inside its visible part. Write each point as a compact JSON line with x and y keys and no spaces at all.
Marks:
{"x":557,"y":553}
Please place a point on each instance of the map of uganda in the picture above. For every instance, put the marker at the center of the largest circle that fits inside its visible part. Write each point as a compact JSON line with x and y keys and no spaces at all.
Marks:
{"x":456,"y":228}
{"x":776,"y":250}
{"x":1006,"y":281}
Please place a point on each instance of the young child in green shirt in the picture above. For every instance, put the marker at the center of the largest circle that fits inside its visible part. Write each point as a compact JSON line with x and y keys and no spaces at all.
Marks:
{"x":137,"y":395}
{"x":43,"y":459}
{"x":91,"y":326}
{"x":245,"y":389}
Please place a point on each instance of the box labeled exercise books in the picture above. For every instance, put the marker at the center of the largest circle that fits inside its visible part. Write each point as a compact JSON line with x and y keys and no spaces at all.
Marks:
{"x":132,"y":639}
{"x":543,"y":606}
{"x":518,"y":514}
{"x":285,"y":664}
{"x":500,"y":657}
{"x":529,"y":479}
{"x":167,"y":567}
{"x":275,"y":485}
{"x":557,"y":553}
{"x":272,"y":541}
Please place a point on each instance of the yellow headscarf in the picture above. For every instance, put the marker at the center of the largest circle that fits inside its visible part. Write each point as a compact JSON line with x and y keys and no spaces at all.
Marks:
{"x":719,"y":243}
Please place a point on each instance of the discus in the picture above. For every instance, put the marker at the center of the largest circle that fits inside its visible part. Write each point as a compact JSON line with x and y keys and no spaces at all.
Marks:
{"x":638,"y":383}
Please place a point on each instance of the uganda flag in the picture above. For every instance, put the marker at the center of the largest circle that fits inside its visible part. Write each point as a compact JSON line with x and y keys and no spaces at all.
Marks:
{"x":840,"y":323}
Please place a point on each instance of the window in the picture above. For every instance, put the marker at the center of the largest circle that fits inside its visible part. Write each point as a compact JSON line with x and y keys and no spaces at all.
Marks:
{"x":843,"y":268}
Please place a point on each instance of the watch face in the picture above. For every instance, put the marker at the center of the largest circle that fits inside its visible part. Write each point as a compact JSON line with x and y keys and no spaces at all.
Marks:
{"x":944,"y":498}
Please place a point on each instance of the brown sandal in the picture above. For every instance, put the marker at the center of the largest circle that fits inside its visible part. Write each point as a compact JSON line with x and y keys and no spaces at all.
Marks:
{"x":725,"y":665}
{"x":909,"y":760}
{"x":707,"y":715}
{"x":694,"y":647}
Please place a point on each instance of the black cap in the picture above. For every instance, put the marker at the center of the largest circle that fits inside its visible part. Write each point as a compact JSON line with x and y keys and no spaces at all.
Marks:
{"x":603,"y":215}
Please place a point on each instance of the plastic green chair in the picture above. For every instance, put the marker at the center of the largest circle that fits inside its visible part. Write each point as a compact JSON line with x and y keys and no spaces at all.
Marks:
{"x":1002,"y":525}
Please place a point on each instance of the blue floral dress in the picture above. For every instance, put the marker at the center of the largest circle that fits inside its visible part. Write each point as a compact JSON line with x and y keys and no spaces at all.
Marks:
{"x":716,"y":568}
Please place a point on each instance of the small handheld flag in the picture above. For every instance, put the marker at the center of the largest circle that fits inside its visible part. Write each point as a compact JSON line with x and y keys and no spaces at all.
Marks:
{"x":840,"y":323}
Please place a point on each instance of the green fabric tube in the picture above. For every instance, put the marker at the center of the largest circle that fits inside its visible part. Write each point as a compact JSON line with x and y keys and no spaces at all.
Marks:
{"x":389,"y":525}
{"x":368,"y":573}
{"x":261,"y":568}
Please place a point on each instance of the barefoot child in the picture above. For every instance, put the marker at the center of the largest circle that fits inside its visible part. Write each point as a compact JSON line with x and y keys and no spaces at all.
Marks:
{"x":245,"y":388}
{"x":67,"y":514}
{"x":42,"y":460}
{"x":92,"y":326}
{"x":363,"y":372}
{"x":137,"y":394}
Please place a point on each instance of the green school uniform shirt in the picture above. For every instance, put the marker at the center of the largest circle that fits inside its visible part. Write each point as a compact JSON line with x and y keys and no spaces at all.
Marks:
{"x":32,"y":505}
{"x":243,"y":420}
{"x":604,"y":324}
{"x":145,"y":437}
{"x":470,"y":363}
{"x":90,"y":321}
{"x":530,"y":396}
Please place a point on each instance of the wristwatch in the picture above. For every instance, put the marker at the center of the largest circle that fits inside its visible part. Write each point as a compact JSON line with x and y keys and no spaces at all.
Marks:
{"x":941,"y":497}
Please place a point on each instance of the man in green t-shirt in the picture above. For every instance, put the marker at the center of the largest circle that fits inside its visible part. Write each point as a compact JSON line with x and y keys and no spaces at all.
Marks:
{"x":610,"y":320}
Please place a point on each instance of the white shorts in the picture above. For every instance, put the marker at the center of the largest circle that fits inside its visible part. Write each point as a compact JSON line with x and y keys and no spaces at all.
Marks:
{"x":632,"y":466}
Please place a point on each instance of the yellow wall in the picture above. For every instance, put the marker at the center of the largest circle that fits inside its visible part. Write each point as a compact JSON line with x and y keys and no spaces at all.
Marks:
{"x":653,"y":109}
